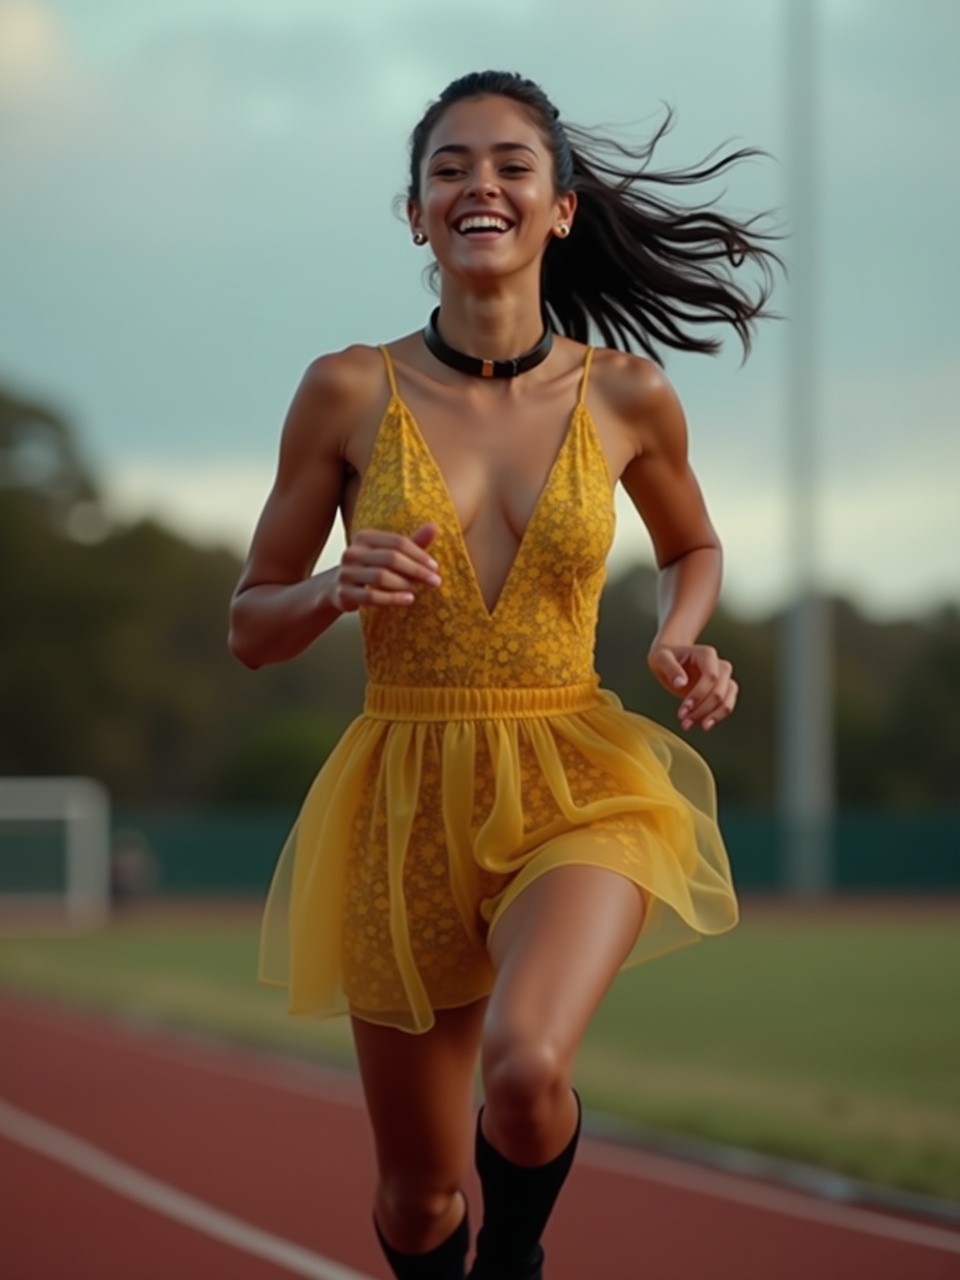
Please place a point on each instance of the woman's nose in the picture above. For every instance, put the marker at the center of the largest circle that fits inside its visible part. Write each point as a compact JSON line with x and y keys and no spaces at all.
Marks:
{"x":483,"y":183}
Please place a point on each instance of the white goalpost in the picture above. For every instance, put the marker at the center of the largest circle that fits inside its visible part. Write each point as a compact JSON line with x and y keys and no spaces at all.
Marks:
{"x":55,"y":850}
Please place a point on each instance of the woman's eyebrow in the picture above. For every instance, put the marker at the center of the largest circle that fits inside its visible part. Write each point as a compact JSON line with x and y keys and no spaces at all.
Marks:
{"x":459,"y":149}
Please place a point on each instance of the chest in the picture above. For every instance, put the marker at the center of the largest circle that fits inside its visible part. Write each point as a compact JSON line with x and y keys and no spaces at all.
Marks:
{"x":495,"y":465}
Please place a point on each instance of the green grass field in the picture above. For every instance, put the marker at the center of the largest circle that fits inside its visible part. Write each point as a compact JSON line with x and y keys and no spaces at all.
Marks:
{"x":830,"y":1037}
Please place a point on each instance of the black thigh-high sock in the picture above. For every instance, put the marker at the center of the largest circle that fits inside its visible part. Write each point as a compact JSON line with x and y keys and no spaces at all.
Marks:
{"x":517,"y":1202}
{"x":446,"y":1262}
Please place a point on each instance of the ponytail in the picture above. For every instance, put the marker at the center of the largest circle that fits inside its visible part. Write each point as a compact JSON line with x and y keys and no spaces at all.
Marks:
{"x":642,"y":269}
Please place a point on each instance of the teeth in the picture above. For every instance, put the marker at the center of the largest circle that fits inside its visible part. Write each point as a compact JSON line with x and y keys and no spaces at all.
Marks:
{"x":484,"y":222}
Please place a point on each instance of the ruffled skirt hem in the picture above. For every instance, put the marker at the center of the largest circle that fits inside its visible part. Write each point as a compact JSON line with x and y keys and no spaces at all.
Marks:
{"x":419,"y":833}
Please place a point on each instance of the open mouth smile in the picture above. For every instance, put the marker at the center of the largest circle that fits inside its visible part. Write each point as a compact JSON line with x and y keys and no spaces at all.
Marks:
{"x":475,"y":224}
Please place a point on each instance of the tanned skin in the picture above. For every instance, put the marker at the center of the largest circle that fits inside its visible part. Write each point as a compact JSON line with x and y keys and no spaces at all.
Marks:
{"x":558,"y":947}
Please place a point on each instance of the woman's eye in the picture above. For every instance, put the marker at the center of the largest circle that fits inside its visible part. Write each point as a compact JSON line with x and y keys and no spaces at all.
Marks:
{"x":515,"y":168}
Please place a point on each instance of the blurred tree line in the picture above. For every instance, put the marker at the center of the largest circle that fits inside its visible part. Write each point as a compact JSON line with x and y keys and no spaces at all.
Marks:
{"x":113,"y":663}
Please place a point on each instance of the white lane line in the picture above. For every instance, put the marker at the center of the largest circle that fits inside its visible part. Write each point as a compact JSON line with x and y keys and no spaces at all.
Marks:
{"x":310,"y":1081}
{"x":93,"y":1163}
{"x":720,"y":1186}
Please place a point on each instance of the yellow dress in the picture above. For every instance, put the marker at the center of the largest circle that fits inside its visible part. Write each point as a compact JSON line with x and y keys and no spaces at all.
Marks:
{"x":486,"y":755}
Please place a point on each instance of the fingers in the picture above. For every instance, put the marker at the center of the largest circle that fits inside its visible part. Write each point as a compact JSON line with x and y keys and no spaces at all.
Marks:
{"x":425,"y":534}
{"x":388,"y":569}
{"x":668,"y":670}
{"x":349,"y":598}
{"x":714,"y":695}
{"x":701,"y":677}
{"x":401,"y":552}
{"x":385,"y":569}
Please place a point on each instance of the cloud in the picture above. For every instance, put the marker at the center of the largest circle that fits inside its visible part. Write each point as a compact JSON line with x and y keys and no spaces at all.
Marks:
{"x":47,"y":100}
{"x":199,"y":194}
{"x":887,"y":457}
{"x":213,"y":503}
{"x":33,"y":53}
{"x":203,"y":132}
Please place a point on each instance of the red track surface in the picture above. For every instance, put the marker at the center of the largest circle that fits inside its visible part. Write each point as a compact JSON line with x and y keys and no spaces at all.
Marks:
{"x":287,"y":1149}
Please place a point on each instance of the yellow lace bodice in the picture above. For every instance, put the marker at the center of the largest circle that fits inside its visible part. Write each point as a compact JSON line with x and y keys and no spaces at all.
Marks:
{"x":541,"y":631}
{"x":486,"y":757}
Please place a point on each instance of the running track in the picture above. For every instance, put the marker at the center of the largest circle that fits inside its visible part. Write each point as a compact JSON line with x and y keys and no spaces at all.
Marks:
{"x":133,"y":1155}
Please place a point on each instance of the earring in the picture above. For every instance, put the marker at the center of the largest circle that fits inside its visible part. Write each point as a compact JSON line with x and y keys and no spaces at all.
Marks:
{"x":419,"y":238}
{"x":563,"y":230}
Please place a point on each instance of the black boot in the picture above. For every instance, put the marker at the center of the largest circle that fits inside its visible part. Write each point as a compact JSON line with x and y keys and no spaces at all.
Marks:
{"x":517,"y":1202}
{"x":446,"y":1262}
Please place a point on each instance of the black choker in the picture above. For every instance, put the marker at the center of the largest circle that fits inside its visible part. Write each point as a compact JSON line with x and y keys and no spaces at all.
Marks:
{"x":485,"y":368}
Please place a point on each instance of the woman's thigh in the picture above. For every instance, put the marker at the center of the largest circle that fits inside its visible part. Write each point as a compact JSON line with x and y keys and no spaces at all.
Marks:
{"x":556,"y":951}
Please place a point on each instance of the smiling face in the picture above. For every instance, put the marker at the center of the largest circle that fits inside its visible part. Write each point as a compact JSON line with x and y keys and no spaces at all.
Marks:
{"x":487,"y":202}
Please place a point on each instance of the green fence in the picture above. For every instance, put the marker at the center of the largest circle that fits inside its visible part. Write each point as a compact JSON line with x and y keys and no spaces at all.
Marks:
{"x":233,"y":852}
{"x":874,"y":851}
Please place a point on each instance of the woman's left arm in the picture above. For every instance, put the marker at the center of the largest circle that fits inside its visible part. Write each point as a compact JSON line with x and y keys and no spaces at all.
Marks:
{"x":663,"y":488}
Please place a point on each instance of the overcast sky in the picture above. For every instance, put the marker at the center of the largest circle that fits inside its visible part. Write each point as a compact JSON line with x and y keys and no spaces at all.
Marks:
{"x":196,"y":199}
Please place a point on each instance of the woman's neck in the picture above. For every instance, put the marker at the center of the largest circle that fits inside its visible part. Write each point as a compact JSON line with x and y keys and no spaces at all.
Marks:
{"x":492,"y":326}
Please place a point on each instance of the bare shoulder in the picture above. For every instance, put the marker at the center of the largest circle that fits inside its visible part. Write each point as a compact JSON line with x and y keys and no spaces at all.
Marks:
{"x":337,"y":392}
{"x":336,"y":397}
{"x":638,"y":395}
{"x":346,"y":377}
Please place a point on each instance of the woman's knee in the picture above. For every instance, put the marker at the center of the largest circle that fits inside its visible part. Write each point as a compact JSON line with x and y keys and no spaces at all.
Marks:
{"x":524,"y":1078}
{"x":410,"y":1208}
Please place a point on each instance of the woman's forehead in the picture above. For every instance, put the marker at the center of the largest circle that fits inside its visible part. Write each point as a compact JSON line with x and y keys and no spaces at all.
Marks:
{"x":480,"y":123}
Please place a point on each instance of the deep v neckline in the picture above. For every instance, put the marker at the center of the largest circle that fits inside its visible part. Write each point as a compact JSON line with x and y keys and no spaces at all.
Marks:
{"x":490,"y":613}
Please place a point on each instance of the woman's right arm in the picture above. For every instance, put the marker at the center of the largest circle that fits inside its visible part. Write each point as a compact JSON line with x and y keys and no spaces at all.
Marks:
{"x":279,"y":608}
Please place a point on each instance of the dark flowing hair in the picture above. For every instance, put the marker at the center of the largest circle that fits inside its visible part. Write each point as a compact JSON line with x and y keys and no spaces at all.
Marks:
{"x":643,"y":269}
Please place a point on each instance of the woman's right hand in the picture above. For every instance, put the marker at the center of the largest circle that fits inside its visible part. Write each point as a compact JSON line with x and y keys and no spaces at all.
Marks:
{"x":385,"y":569}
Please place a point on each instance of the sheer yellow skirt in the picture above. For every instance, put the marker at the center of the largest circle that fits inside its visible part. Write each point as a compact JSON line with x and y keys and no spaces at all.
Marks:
{"x":440,"y":806}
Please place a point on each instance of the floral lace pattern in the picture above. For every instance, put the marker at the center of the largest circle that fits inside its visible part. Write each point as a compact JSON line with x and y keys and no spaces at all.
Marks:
{"x":496,"y":760}
{"x":541,"y":631}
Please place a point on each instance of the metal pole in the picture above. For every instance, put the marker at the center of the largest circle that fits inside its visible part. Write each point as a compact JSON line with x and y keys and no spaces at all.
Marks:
{"x":805,"y":720}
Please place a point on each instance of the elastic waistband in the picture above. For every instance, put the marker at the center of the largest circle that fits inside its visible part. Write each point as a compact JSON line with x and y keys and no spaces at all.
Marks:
{"x":402,"y":702}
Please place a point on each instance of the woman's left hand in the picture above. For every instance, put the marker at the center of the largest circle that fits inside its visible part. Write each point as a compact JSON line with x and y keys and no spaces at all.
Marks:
{"x":696,"y":673}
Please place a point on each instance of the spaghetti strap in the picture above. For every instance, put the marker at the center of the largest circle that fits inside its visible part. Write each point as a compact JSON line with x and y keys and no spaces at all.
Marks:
{"x":485,"y":757}
{"x":391,"y":376}
{"x":587,"y":360}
